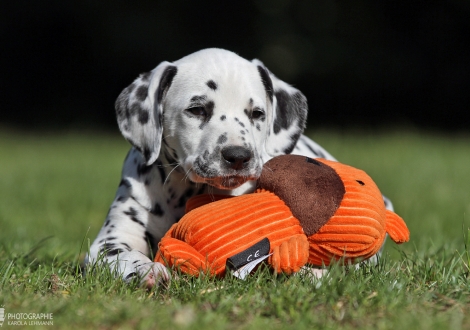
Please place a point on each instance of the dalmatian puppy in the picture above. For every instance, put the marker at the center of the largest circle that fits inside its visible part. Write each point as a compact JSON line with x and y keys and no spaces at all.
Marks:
{"x":203,"y":124}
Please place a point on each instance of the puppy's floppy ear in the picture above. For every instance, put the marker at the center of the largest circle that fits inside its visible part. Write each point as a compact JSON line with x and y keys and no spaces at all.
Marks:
{"x":139,"y":110}
{"x":289,"y":113}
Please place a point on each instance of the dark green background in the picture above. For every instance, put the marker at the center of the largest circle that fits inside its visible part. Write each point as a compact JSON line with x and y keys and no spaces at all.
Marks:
{"x":360,"y":63}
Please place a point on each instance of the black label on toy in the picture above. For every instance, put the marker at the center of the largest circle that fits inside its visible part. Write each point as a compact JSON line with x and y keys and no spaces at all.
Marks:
{"x":254,"y":252}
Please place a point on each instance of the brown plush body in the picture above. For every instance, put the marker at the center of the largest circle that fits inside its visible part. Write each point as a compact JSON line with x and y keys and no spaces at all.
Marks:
{"x":312,"y":211}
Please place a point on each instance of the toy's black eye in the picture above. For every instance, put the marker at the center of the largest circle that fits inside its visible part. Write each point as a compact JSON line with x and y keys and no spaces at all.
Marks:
{"x":197,"y":111}
{"x":257,"y":114}
{"x":360,"y":182}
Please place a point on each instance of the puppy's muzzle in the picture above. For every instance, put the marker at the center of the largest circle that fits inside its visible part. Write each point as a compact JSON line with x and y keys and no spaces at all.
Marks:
{"x":236,"y":157}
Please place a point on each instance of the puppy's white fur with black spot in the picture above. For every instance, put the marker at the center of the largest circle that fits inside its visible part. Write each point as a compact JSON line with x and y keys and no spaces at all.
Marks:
{"x":203,"y":124}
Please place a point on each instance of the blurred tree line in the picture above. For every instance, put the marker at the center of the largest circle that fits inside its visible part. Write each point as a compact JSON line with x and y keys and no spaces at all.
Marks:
{"x":360,"y":62}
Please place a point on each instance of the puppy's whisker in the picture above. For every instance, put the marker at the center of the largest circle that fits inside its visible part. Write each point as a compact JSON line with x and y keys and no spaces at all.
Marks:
{"x":170,"y":173}
{"x":186,"y":174}
{"x":168,"y":165}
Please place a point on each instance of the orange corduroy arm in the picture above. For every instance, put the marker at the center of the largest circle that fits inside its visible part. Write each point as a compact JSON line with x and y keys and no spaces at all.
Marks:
{"x":396,"y":228}
{"x":175,"y":253}
{"x":291,"y":255}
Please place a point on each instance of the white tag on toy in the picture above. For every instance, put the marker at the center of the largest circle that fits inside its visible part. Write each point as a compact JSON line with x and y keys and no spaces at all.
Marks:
{"x":241,"y":264}
{"x":244,"y":271}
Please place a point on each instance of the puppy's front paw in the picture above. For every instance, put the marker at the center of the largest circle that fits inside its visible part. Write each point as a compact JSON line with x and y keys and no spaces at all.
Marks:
{"x":152,"y":274}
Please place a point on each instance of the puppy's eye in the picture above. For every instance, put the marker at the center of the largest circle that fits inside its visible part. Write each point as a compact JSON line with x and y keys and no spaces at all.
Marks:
{"x":257,"y":114}
{"x":197,"y":111}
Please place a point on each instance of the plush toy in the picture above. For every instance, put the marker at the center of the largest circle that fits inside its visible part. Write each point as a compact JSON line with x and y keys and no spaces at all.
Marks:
{"x":305,"y":211}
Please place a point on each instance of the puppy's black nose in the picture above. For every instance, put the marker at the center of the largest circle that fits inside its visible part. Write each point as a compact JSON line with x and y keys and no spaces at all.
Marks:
{"x":236,"y":157}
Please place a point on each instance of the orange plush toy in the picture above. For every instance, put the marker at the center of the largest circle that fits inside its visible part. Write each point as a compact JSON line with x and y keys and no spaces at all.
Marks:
{"x":305,"y":211}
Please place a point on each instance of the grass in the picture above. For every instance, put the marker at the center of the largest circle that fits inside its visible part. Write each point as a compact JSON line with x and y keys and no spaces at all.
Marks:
{"x":55,"y":191}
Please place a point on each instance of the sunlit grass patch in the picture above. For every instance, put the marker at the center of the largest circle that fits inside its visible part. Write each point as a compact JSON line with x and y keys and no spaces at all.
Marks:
{"x":55,"y":191}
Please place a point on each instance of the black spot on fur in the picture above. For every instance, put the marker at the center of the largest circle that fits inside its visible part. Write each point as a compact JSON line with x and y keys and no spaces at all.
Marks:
{"x":130,"y":275}
{"x":222,"y":138}
{"x":360,"y":182}
{"x":316,"y":152}
{"x":243,"y":132}
{"x":241,"y":124}
{"x":134,"y":109}
{"x":142,"y":92}
{"x":143,"y":169}
{"x":157,"y":210}
{"x":114,"y":252}
{"x":120,"y":198}
{"x":107,"y":222}
{"x":132,"y":213}
{"x":110,"y":249}
{"x":125,"y":183}
{"x":151,"y":242}
{"x":204,"y":167}
{"x":258,"y":127}
{"x":209,"y":112}
{"x":146,"y":152}
{"x":212,"y":85}
{"x":290,"y":108}
{"x":267,"y":82}
{"x":143,"y":116}
{"x":165,"y":81}
{"x":161,"y":170}
{"x":222,"y":117}
{"x":293,"y":141}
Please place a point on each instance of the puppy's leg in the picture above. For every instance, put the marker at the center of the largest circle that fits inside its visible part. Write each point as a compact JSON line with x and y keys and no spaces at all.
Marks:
{"x":135,"y":223}
{"x":123,"y":244}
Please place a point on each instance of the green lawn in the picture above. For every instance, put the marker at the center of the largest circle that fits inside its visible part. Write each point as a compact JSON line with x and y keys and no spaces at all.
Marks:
{"x":55,"y":190}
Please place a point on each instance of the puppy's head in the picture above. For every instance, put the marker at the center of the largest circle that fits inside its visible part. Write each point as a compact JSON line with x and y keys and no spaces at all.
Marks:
{"x":217,"y":115}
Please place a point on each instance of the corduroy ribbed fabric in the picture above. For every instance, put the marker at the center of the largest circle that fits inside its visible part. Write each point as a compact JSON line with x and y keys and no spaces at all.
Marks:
{"x":217,"y":227}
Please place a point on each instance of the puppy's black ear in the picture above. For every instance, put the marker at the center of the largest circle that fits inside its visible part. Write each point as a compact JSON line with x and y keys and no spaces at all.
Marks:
{"x":139,"y":110}
{"x":288,"y":116}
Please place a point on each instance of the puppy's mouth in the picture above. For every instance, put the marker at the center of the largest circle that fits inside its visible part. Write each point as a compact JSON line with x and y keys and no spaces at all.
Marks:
{"x":229,"y":182}
{"x":214,"y":170}
{"x":225,"y":182}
